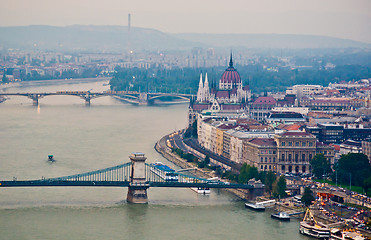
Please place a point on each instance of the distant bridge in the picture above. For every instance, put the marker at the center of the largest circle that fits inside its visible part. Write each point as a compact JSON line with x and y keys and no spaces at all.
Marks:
{"x":137,"y":175}
{"x":133,"y":97}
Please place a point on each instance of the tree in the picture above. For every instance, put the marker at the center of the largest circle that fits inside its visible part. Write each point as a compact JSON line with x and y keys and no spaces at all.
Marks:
{"x":194,"y":129}
{"x":5,"y":79}
{"x":247,"y":172}
{"x":243,"y":176}
{"x":354,"y":167}
{"x":270,"y":178}
{"x":279,"y":187}
{"x":201,"y":164}
{"x":366,"y":184}
{"x":320,"y":165}
{"x":307,"y":197}
{"x":207,"y":160}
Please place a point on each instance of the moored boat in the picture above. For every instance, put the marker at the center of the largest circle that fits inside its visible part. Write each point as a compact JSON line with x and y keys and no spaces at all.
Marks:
{"x":201,"y":190}
{"x":282,"y":216}
{"x":164,"y":171}
{"x":254,"y":206}
{"x":309,"y":226}
{"x":260,"y":206}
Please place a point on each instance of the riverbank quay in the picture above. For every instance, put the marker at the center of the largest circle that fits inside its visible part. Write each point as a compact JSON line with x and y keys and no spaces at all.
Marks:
{"x":166,"y":152}
{"x":162,"y":148}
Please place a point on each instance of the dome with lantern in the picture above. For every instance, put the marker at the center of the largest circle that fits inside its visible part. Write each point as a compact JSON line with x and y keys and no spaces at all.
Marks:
{"x":230,"y":78}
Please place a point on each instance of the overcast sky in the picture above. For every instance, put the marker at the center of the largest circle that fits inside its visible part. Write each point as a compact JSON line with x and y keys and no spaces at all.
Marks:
{"x":349,"y":19}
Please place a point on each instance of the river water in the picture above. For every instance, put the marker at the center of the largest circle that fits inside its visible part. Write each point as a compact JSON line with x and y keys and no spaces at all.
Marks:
{"x":103,"y":135}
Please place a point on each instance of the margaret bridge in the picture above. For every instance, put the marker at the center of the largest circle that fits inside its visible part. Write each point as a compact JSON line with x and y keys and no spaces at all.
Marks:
{"x":133,"y":97}
{"x":137,"y":175}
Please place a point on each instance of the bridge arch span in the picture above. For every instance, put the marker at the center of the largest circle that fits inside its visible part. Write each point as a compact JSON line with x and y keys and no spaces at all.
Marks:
{"x":169,"y":95}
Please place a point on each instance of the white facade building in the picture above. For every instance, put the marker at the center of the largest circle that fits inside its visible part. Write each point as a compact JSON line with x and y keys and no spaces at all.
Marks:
{"x":305,"y":90}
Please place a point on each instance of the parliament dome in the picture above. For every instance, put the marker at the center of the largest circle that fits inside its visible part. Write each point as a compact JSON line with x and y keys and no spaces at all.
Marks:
{"x":230,"y":77}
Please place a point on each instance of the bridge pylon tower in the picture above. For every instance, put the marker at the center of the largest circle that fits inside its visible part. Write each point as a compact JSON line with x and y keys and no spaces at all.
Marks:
{"x":143,"y":98}
{"x":35,"y":98}
{"x":87,"y":101}
{"x":137,"y":192}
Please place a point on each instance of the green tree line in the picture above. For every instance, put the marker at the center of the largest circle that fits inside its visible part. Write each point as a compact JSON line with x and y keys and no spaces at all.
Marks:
{"x":260,"y":79}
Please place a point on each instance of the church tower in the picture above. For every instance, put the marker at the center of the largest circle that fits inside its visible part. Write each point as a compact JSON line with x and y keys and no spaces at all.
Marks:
{"x":206,"y":90}
{"x":200,"y":90}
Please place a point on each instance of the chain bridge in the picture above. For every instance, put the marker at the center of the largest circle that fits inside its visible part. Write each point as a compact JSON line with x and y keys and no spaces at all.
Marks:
{"x":137,"y":175}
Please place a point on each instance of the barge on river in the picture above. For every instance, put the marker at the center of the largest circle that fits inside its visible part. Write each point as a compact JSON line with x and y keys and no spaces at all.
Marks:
{"x":309,"y":226}
{"x":260,"y":206}
{"x":164,"y":171}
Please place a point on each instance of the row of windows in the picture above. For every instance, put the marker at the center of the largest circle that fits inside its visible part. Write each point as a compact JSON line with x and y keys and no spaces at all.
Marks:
{"x":267,"y":152}
{"x":296,"y":168}
{"x":265,"y":167}
{"x":297,"y":144}
{"x":334,"y":132}
{"x":266,"y":159}
{"x":289,"y":157}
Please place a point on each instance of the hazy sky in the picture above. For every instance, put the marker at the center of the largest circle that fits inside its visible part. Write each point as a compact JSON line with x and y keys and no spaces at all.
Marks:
{"x":349,"y":19}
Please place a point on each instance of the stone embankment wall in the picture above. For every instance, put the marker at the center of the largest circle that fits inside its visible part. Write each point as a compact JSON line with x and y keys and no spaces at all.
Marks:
{"x":166,"y":152}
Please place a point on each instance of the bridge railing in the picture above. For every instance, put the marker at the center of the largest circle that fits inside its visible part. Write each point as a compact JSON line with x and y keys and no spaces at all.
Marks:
{"x":117,"y":173}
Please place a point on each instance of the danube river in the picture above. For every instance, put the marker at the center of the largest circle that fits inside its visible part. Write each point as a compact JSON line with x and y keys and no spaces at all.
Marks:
{"x":88,"y":138}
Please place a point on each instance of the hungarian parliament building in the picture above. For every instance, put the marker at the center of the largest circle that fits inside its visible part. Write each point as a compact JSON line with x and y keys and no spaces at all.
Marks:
{"x":229,"y":96}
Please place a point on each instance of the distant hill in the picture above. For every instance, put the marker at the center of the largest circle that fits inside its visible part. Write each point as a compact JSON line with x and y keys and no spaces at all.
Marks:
{"x":115,"y":39}
{"x":271,"y":41}
{"x":89,"y":38}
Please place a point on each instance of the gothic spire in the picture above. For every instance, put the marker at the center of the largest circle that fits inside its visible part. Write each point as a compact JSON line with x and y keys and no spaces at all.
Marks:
{"x":206,"y":88}
{"x":231,"y":61}
{"x":200,"y":85}
{"x":200,"y":90}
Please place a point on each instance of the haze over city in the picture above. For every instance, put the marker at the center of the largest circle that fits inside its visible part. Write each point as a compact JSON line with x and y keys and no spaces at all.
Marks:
{"x":335,"y":18}
{"x":174,"y":119}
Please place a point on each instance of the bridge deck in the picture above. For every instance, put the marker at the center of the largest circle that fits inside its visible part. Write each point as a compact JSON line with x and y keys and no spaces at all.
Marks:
{"x":174,"y":184}
{"x":120,"y":176}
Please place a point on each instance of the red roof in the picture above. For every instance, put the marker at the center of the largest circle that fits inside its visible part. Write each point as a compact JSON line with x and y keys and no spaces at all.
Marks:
{"x":199,"y":107}
{"x":243,"y":121}
{"x":222,"y":94}
{"x":231,"y":106}
{"x":293,"y":127}
{"x":225,"y":127}
{"x":337,"y":147}
{"x":265,"y":101}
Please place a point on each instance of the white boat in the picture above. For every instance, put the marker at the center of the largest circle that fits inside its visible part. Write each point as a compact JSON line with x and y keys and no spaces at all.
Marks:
{"x":164,"y":171}
{"x":282,"y":216}
{"x":260,"y":206}
{"x":309,"y":226}
{"x":254,"y":206}
{"x":201,"y":190}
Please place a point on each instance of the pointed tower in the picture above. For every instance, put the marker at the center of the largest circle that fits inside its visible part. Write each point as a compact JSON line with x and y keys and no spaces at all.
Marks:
{"x":200,"y":90}
{"x":231,"y":61}
{"x":206,"y":89}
